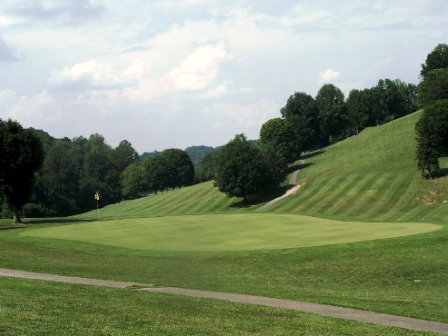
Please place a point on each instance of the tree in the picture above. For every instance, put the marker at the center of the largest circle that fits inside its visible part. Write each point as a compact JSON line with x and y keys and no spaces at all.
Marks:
{"x":278,"y":135}
{"x":357,"y":111}
{"x":178,"y":167}
{"x":205,"y":169}
{"x":332,"y":113}
{"x":302,"y":112}
{"x":155,"y":173}
{"x":241,"y":170}
{"x":433,"y":87}
{"x":133,"y":181}
{"x":21,"y":154}
{"x":432,"y":137}
{"x":436,"y":59}
{"x":124,"y":155}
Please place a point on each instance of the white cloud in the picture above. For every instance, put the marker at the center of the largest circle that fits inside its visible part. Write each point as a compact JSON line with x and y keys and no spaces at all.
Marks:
{"x":200,"y":68}
{"x":241,"y":118}
{"x":327,"y":75}
{"x":216,"y":92}
{"x":36,"y":110}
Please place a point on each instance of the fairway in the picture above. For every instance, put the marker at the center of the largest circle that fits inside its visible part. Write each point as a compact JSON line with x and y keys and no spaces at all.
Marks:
{"x":227,"y":232}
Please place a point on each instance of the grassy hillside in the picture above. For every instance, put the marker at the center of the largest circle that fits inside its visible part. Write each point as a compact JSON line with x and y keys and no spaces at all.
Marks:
{"x":372,"y":177}
{"x":198,"y":199}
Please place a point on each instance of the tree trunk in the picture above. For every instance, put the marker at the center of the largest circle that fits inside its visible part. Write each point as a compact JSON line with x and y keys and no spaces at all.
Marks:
{"x":16,"y":218}
{"x":245,"y":200}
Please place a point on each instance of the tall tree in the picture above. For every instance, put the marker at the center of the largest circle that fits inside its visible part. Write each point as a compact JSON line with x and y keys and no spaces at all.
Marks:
{"x":21,"y":154}
{"x":436,"y":59}
{"x":241,"y":170}
{"x":357,"y":110}
{"x":178,"y":167}
{"x":433,"y":87}
{"x":124,"y":155}
{"x":432,"y":137}
{"x":278,"y":134}
{"x":332,"y":113}
{"x":302,"y":112}
{"x":133,"y":181}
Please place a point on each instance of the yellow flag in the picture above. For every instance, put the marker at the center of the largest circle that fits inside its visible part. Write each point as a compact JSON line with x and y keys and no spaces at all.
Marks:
{"x":97,"y":196}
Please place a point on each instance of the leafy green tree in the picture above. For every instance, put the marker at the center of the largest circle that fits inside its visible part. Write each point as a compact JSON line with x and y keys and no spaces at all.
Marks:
{"x":241,"y":170}
{"x":358,"y":110}
{"x":432,"y":137}
{"x":433,"y":87}
{"x":124,"y":155}
{"x":332,"y":113}
{"x":21,"y":155}
{"x":155,"y":172}
{"x":278,"y":135}
{"x":178,"y":167}
{"x":302,"y":112}
{"x":436,"y":59}
{"x":133,"y":181}
{"x":205,"y":169}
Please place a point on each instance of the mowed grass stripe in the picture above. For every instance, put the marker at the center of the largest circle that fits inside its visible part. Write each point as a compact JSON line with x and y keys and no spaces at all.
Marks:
{"x":227,"y":232}
{"x":399,"y":189}
{"x":342,"y":201}
{"x":320,"y":195}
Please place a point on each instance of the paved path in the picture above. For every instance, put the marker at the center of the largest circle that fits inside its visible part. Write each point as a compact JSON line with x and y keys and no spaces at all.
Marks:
{"x":293,"y":190}
{"x":325,"y":310}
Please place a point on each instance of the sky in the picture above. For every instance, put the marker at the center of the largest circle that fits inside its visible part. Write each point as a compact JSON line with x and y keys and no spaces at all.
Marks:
{"x":174,"y":74}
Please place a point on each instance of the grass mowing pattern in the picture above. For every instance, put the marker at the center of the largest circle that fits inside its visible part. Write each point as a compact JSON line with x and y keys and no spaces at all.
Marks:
{"x":371,"y":177}
{"x":198,"y":199}
{"x":83,"y":310}
{"x":228,"y":232}
{"x":374,"y":275}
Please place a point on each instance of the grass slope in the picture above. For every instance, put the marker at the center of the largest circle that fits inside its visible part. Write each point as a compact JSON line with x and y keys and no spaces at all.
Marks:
{"x":370,"y":177}
{"x":198,"y":199}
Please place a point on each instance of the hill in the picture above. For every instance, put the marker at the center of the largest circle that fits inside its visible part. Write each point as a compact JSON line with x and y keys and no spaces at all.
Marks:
{"x":372,"y":176}
{"x":368,"y":177}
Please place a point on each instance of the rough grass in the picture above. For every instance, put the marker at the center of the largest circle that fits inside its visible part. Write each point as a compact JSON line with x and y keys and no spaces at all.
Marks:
{"x":60,"y":309}
{"x":228,"y":232}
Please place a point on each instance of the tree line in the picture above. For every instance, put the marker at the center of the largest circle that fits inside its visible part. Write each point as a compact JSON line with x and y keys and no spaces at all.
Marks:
{"x":41,"y":176}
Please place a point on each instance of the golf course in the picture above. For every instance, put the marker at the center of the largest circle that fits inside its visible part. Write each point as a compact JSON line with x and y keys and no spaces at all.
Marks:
{"x":364,"y":231}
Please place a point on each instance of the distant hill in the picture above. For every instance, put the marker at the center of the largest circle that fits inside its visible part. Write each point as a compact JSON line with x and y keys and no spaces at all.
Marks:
{"x":197,"y":153}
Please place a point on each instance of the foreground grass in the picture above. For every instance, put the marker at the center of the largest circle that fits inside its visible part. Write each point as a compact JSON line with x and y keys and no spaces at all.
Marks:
{"x":60,"y":309}
{"x":402,"y":276}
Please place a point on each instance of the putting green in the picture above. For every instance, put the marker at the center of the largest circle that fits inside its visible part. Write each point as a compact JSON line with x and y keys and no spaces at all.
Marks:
{"x":227,"y":232}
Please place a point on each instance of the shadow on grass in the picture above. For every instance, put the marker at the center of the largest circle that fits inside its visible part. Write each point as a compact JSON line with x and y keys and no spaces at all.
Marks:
{"x":298,"y":166}
{"x":56,"y":221}
{"x":261,"y":198}
{"x":312,"y":154}
{"x":443,"y":172}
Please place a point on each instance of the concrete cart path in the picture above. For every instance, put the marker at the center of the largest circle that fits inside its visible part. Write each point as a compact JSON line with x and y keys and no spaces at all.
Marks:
{"x":320,"y":309}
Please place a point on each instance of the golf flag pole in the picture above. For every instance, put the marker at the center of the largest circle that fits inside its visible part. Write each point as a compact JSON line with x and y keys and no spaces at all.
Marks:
{"x":97,"y":197}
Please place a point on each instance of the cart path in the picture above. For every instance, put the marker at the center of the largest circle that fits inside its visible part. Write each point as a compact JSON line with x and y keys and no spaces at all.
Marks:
{"x":320,"y":309}
{"x":293,"y":190}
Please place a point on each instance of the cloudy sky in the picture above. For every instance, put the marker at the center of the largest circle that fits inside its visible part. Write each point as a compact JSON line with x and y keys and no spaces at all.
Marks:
{"x":167,"y":74}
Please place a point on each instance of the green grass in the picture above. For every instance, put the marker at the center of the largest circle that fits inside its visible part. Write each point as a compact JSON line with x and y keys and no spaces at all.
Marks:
{"x":60,"y":309}
{"x":227,"y":232}
{"x":198,"y":199}
{"x":370,"y":178}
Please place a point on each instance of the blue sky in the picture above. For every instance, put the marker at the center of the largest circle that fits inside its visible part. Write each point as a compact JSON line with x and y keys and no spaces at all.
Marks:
{"x":165,"y":74}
